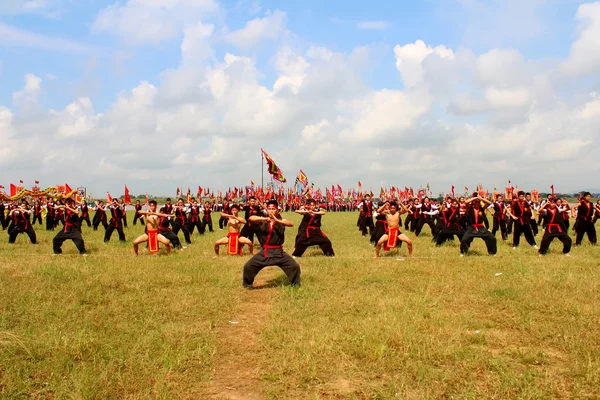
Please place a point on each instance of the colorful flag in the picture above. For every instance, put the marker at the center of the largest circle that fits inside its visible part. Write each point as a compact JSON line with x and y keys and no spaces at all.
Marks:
{"x":273,"y":168}
{"x":127,"y":198}
{"x":109,"y":198}
{"x":302,"y":178}
{"x":37,"y":182}
{"x":359,"y":185}
{"x":552,"y":187}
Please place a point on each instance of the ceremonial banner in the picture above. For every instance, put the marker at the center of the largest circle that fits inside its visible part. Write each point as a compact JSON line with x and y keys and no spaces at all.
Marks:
{"x":273,"y":169}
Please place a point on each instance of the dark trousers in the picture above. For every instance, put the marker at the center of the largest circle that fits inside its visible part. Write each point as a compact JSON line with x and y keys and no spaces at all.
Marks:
{"x":3,"y":220}
{"x":124,"y":219}
{"x":99,"y":220}
{"x":12,"y":235}
{"x":283,"y":260}
{"x":118,"y":226}
{"x":38,"y":218}
{"x":137,"y":217}
{"x":49,"y":222}
{"x":524,"y":229}
{"x":195,"y":224}
{"x":583,"y":227}
{"x":500,"y":223}
{"x":421,"y":222}
{"x":178,"y":226}
{"x":223,"y":222}
{"x":509,"y":226}
{"x":248,"y":232}
{"x":549,"y":237}
{"x":318,"y":239}
{"x":73,"y":235}
{"x":472,"y":233}
{"x":447,"y":233}
{"x":86,"y":219}
{"x":171,"y":237}
{"x":366,"y":222}
{"x":205,"y":223}
{"x":534,"y":227}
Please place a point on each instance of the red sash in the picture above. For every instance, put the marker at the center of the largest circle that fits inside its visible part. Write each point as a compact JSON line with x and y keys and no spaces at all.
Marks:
{"x":153,"y":241}
{"x":392,"y":238}
{"x":233,"y":244}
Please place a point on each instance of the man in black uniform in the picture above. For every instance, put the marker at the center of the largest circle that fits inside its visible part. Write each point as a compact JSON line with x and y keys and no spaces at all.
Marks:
{"x":252,"y":208}
{"x":115,"y":221}
{"x":20,"y":219}
{"x":426,"y":217}
{"x":71,"y":230}
{"x":49,"y":214}
{"x":554,"y":227}
{"x":452,"y":223}
{"x":366,"y":216}
{"x":165,"y":229}
{"x":100,"y":216}
{"x":85,"y":214}
{"x":179,"y":220}
{"x":138,"y":207}
{"x":310,"y":233}
{"x":475,"y":227}
{"x":271,"y":235}
{"x":584,"y":224}
{"x":37,"y":213}
{"x":207,"y":218}
{"x":520,"y":212}
{"x":194,"y":218}
{"x":499,"y":217}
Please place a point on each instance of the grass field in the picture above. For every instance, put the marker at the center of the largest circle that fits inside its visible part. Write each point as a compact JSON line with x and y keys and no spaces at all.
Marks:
{"x":114,"y":326}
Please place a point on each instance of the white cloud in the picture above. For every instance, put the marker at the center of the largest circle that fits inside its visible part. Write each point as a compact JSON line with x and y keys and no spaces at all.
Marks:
{"x":584,"y":56}
{"x":152,"y":21}
{"x":270,"y":27}
{"x":410,"y":57}
{"x":14,"y":37}
{"x":373,"y":25}
{"x":27,"y":97}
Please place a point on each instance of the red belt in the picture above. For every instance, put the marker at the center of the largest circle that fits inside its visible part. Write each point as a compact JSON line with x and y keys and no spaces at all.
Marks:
{"x":267,"y":247}
{"x":556,"y":225}
{"x":477,"y":226}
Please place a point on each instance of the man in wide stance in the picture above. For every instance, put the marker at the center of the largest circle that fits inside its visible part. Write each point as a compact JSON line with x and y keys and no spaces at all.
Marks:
{"x":476,"y":207}
{"x":271,"y":235}
{"x":152,"y":235}
{"x":309,"y":231}
{"x":72,"y":229}
{"x":393,"y":234}
{"x":554,"y":228}
{"x":233,"y":238}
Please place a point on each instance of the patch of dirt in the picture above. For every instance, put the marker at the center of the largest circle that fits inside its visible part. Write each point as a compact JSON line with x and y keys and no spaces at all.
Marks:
{"x":236,"y":374}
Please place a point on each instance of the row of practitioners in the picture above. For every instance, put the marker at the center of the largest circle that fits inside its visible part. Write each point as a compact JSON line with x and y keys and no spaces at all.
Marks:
{"x":467,"y":219}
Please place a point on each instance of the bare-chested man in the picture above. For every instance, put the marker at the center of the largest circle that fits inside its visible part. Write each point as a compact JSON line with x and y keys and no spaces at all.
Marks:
{"x":152,"y":235}
{"x":233,"y":239}
{"x":393,"y":234}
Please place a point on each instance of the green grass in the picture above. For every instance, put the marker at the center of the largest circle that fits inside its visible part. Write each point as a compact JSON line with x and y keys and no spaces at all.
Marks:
{"x":115,"y":326}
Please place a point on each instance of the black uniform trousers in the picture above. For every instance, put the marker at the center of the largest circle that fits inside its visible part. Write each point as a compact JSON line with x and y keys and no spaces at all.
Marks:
{"x":195,"y":224}
{"x":274,"y":257}
{"x":524,"y":229}
{"x":583,"y":227}
{"x":177,"y":226}
{"x":317,"y":238}
{"x":38,"y":218}
{"x":171,"y":237}
{"x":206,"y":222}
{"x":86,"y":219}
{"x":479,"y":232}
{"x":71,"y":234}
{"x":99,"y":220}
{"x":448,"y":233}
{"x":366,"y":222}
{"x":114,"y":225}
{"x":138,"y":217}
{"x":223,"y":222}
{"x":549,"y":237}
{"x":14,"y":232}
{"x":500,"y":223}
{"x":421,"y":222}
{"x":49,"y":222}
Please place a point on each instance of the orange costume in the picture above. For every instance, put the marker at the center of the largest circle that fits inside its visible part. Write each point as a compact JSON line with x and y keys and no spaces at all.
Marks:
{"x":233,"y":244}
{"x":153,"y":241}
{"x":392,"y":238}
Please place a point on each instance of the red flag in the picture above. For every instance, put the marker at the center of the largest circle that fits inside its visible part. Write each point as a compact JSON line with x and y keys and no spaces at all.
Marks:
{"x":199,"y":191}
{"x":109,"y":198}
{"x":126,"y":198}
{"x":452,"y":190}
{"x":147,"y":199}
{"x":37,"y":182}
{"x":67,"y":189}
{"x":1,"y":187}
{"x":13,"y":189}
{"x":20,"y":181}
{"x":552,"y":187}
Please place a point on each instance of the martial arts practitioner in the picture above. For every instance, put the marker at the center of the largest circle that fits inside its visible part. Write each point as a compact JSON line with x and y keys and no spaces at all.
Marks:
{"x":20,"y":223}
{"x":37,"y":213}
{"x":99,"y":216}
{"x":499,"y":217}
{"x":164,"y":228}
{"x":425,"y":216}
{"x":233,"y":240}
{"x":534,"y":206}
{"x":597,"y":213}
{"x":207,"y":218}
{"x":194,"y":218}
{"x":152,"y":235}
{"x":49,"y":214}
{"x":124,"y":212}
{"x":366,"y":216}
{"x":71,"y":230}
{"x":565,"y":212}
{"x":252,"y":208}
{"x":475,"y":227}
{"x":453,"y":223}
{"x":271,"y":235}
{"x":309,"y":231}
{"x":226,"y":210}
{"x":116,"y":223}
{"x":393,"y":234}
{"x":179,"y":220}
{"x":520,"y":212}
{"x":85,"y":214}
{"x":554,"y":228}
{"x":3,"y":219}
{"x":583,"y":223}
{"x":413,"y":215}
{"x":137,"y":216}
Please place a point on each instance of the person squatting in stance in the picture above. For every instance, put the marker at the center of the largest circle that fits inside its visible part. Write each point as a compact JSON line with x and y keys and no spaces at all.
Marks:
{"x":233,"y":240}
{"x":179,"y":220}
{"x":393,"y":234}
{"x":452,"y":223}
{"x":164,"y":227}
{"x":521,"y":213}
{"x":309,"y":231}
{"x":554,"y":227}
{"x":475,"y":226}
{"x":20,"y":223}
{"x":583,"y":222}
{"x":271,"y":235}
{"x":71,"y":230}
{"x":152,"y":235}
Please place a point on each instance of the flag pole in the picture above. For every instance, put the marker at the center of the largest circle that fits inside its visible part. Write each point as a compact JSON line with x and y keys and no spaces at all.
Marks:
{"x":262,"y":170}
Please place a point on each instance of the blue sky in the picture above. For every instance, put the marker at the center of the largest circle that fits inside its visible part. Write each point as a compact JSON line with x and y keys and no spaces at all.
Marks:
{"x":75,"y":50}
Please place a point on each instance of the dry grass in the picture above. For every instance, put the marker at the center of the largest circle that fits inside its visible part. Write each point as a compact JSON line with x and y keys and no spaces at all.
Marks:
{"x":115,"y":326}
